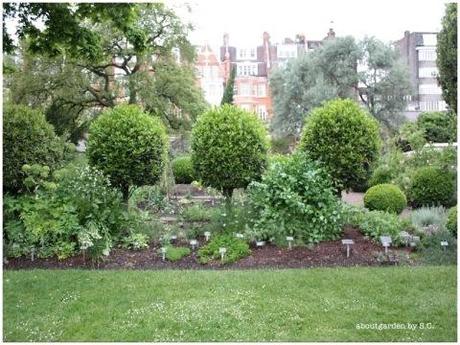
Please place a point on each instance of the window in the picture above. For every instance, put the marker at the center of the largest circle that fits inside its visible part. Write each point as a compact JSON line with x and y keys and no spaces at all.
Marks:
{"x":429,"y":89}
{"x":246,"y":69}
{"x":428,"y":72}
{"x":261,"y":90}
{"x":245,"y":89}
{"x":433,"y":106}
{"x":262,"y":112}
{"x":246,"y":53}
{"x":427,"y":55}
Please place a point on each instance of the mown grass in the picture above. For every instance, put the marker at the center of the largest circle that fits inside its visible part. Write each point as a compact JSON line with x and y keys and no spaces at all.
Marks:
{"x":266,"y":305}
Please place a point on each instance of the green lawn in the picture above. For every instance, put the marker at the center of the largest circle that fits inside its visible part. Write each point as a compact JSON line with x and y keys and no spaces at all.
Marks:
{"x":284,"y":305}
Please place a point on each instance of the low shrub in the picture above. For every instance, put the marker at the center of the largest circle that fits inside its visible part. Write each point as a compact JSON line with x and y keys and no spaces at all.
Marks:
{"x":236,"y":249}
{"x":197,"y":213}
{"x":182,"y":167}
{"x":432,"y":253}
{"x":432,"y":186}
{"x":295,"y":198}
{"x":437,"y":126}
{"x":136,"y":241}
{"x":175,"y":253}
{"x":281,"y":145}
{"x":452,"y":221}
{"x":379,"y":223}
{"x":429,"y":216}
{"x":385,"y":197}
{"x":352,"y":215}
{"x":381,"y":174}
{"x":150,"y":198}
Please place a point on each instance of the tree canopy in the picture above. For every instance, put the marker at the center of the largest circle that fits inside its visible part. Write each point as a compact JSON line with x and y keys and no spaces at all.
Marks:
{"x":369,"y":70}
{"x":447,"y":56}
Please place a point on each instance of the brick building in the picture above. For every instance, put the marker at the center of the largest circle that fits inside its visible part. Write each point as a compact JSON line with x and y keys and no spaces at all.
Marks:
{"x":210,"y":75}
{"x":418,"y":52}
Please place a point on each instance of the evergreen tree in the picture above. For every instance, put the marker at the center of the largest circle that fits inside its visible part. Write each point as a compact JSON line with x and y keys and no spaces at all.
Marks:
{"x":227,"y":98}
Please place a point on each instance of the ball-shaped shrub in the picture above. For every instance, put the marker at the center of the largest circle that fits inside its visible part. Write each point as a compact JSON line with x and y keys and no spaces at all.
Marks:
{"x":129,"y":146}
{"x":345,"y":138}
{"x":385,"y":197}
{"x":229,"y":148}
{"x":295,"y":198}
{"x":431,"y":186}
{"x":27,"y":139}
{"x":452,"y":221}
{"x":182,"y":167}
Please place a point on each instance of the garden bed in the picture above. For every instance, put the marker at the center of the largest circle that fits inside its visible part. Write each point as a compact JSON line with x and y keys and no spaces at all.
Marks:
{"x":325,"y":254}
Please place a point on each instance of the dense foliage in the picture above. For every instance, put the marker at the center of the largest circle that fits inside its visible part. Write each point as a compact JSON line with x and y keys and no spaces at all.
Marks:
{"x":229,"y":148}
{"x":345,"y":138}
{"x":423,"y":217}
{"x":385,"y":197}
{"x":129,"y":146}
{"x":295,"y":198}
{"x":27,"y":139}
{"x":447,"y":56}
{"x":329,"y":72}
{"x":227,"y":97}
{"x":452,"y":220}
{"x":235,"y":249}
{"x":438,"y":127}
{"x":379,"y":223}
{"x":182,"y":167}
{"x":75,"y":210}
{"x":431,"y":186}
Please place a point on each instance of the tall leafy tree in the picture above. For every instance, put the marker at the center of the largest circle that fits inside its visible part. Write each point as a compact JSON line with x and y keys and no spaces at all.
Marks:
{"x":447,"y":56}
{"x":227,"y":98}
{"x":135,"y":64}
{"x":369,"y":71}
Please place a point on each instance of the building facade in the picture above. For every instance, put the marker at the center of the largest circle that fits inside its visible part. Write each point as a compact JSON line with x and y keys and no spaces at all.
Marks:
{"x":210,"y":75}
{"x":418,"y":52}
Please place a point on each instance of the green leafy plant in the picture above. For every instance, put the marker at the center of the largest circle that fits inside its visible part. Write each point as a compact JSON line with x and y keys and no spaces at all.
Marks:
{"x":345,"y":138}
{"x":437,"y":127}
{"x":27,"y":139}
{"x":129,"y":146}
{"x":182,"y":167}
{"x":352,"y":215}
{"x":136,"y":241}
{"x":432,"y":253}
{"x":229,"y":148}
{"x":385,"y":197}
{"x":295,"y":198}
{"x":236,"y":249}
{"x":175,"y":253}
{"x":149,"y":197}
{"x":378,"y":223}
{"x":196,"y":213}
{"x":452,"y":221}
{"x":431,"y":186}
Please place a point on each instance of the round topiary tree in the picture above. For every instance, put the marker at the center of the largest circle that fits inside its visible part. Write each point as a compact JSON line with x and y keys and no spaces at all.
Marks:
{"x":345,"y":138}
{"x":431,"y":186}
{"x":385,"y":197}
{"x":437,"y":126}
{"x":182,"y":167}
{"x":452,"y":221}
{"x":27,"y":139}
{"x":229,"y":148}
{"x":129,"y":146}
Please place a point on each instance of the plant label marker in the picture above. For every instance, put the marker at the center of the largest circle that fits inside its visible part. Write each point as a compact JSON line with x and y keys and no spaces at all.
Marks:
{"x":386,"y":242}
{"x":238,"y":235}
{"x":163,"y":253}
{"x":173,"y":237}
{"x":260,"y":243}
{"x":444,"y":244}
{"x":222,"y":252}
{"x":193,"y":243}
{"x":207,"y":234}
{"x":348,"y":243}
{"x":289,"y":239}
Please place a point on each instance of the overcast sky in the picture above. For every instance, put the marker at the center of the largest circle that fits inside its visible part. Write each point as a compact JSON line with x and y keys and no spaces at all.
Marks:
{"x":246,"y":20}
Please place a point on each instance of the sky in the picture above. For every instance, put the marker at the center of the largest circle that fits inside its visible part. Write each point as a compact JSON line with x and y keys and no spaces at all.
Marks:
{"x":246,"y":20}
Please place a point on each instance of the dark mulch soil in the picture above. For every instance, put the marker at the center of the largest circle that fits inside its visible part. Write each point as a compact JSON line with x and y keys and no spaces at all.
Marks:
{"x":325,"y":254}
